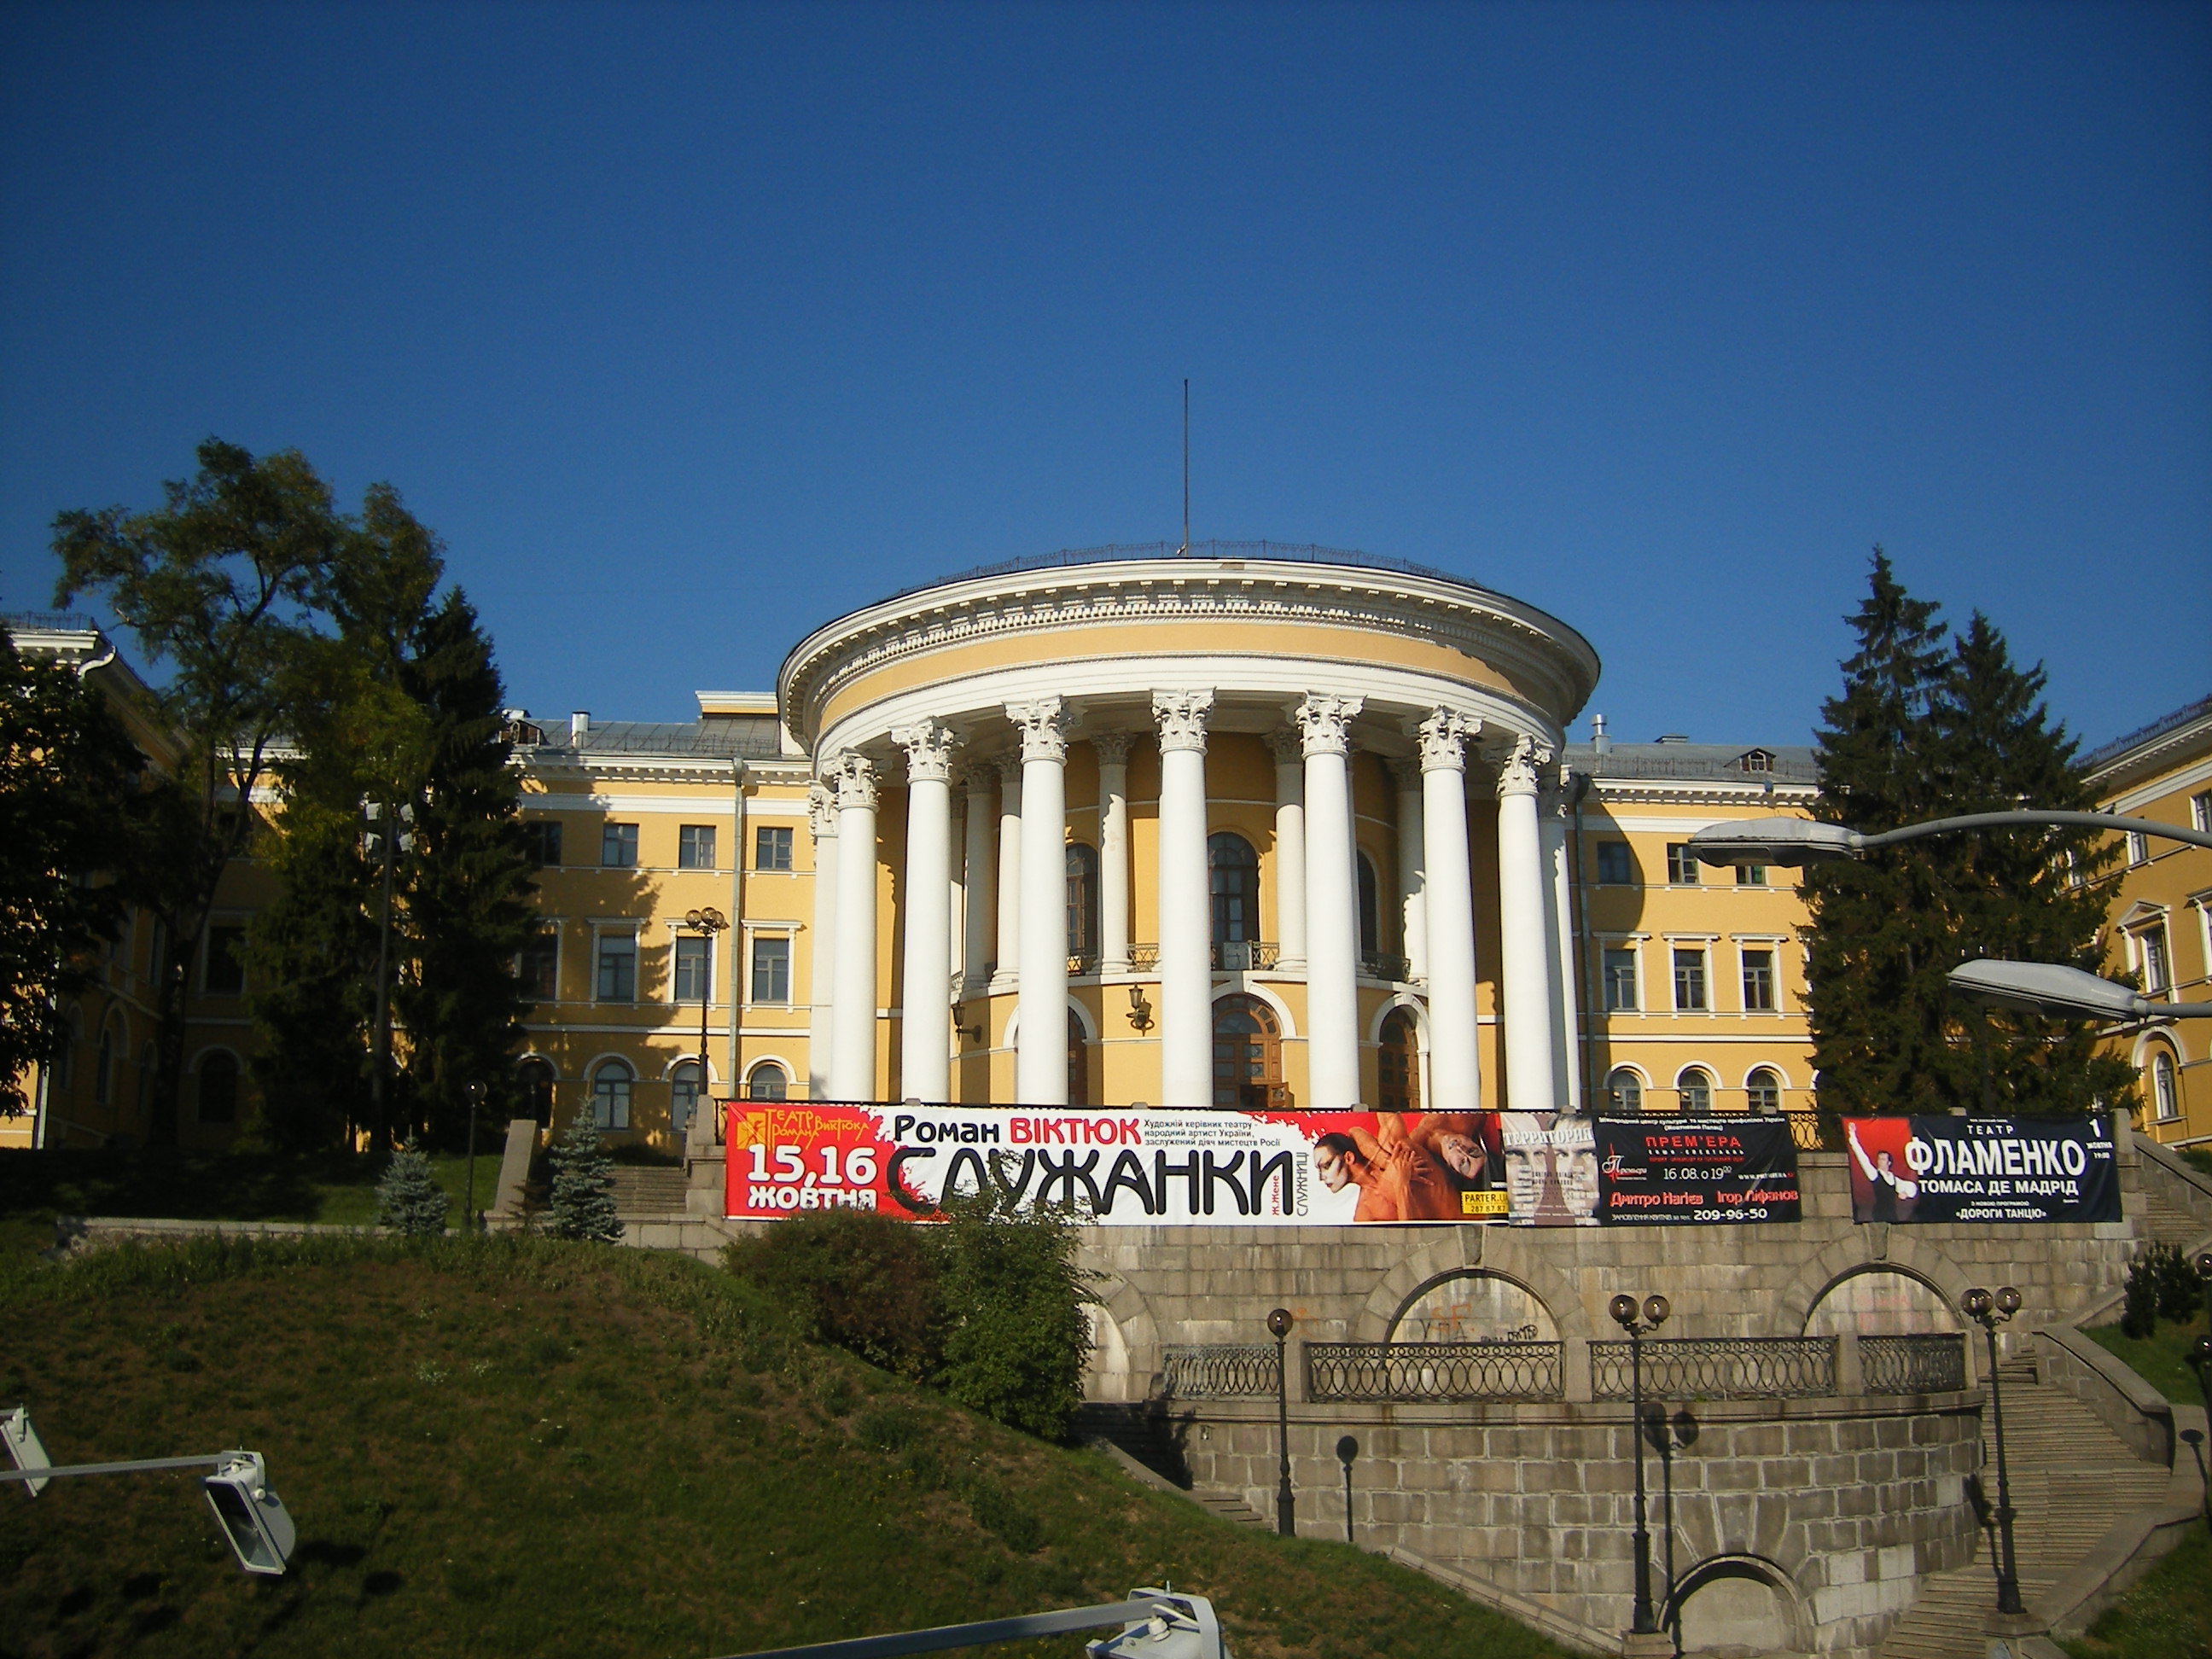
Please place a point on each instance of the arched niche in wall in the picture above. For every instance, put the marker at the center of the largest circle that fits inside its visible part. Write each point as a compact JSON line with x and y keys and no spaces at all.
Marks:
{"x":1738,"y":1605}
{"x":1881,"y":1302}
{"x":1473,"y":1307}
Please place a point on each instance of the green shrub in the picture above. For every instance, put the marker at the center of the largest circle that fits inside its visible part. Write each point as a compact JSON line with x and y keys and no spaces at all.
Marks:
{"x":2180,"y":1293}
{"x":858,"y":1280}
{"x":582,"y":1205}
{"x":1016,"y":1338}
{"x":2139,"y":1308}
{"x":409,"y":1199}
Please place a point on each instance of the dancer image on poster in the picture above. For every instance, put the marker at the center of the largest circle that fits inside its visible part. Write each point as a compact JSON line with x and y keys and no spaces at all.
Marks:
{"x":1882,"y":1188}
{"x":1466,"y":1147}
{"x":1397,"y":1180}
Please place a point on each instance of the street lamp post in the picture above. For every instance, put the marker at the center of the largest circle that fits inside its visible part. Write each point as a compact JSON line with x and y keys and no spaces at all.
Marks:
{"x":1990,"y":1311}
{"x":707,"y":922}
{"x":377,"y":841}
{"x":1625,"y":1314}
{"x":473,"y":1216}
{"x":1286,"y":1521}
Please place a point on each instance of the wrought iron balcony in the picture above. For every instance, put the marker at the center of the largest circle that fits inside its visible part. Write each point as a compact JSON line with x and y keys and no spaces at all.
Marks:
{"x":1247,"y":956}
{"x":1381,"y":964}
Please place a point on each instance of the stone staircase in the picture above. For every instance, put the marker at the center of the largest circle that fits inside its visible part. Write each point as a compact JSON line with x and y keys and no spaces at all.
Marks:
{"x":645,"y":1189}
{"x":2072,"y":1480}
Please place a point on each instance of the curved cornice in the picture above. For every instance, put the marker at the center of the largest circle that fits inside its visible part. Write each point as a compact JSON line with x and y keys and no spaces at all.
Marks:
{"x":1534,"y":649}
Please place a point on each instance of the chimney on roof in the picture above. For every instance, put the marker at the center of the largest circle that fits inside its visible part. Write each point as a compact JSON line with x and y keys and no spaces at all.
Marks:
{"x":1599,"y":743}
{"x":579,"y":726}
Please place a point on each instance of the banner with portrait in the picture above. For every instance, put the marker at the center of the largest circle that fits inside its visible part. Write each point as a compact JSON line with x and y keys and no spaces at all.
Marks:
{"x":1923,"y":1170}
{"x":1684,"y":1171}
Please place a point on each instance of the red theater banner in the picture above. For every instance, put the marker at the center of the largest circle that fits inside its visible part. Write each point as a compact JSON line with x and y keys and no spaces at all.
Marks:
{"x":1147,"y":1167}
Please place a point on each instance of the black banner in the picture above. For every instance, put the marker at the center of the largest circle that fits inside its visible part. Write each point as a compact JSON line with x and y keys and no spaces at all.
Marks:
{"x":1686,"y":1170}
{"x":1982,"y":1169}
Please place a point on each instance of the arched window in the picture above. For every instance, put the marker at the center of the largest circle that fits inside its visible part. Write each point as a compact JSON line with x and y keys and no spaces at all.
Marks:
{"x":611,"y":1083}
{"x":1082,"y":905}
{"x":218,"y":1086}
{"x":1079,"y":1061}
{"x":682,"y":1095}
{"x":1247,"y":1056}
{"x":768,"y":1081}
{"x":2166,"y":1096}
{"x":1398,"y":1063}
{"x":1764,"y":1087}
{"x":103,"y":1067}
{"x":1370,"y":907}
{"x":1624,"y":1089}
{"x":1696,"y":1088}
{"x":1235,"y":882}
{"x":534,"y":1081}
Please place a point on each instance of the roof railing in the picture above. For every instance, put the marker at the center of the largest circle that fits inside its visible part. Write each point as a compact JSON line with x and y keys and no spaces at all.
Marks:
{"x":1292,"y":552}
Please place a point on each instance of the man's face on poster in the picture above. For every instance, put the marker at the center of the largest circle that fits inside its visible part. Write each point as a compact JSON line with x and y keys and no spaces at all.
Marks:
{"x":1463,"y":1155}
{"x":1886,"y":1162}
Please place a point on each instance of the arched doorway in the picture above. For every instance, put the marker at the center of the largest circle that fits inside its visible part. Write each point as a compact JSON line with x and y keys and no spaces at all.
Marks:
{"x":534,"y":1081}
{"x":1079,"y":1061}
{"x":1247,"y":1056}
{"x":1398,"y":1063}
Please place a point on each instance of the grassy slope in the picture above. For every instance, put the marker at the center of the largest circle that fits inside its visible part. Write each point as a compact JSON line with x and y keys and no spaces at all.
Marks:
{"x":2167,"y":1616}
{"x":2157,"y":1359}
{"x":517,"y":1446}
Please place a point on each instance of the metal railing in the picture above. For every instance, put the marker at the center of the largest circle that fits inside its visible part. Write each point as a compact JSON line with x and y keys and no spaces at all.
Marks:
{"x":1081,"y":966}
{"x":1381,"y":964}
{"x":1221,"y":1371}
{"x":1718,"y":1368}
{"x":1245,"y":956}
{"x":1809,"y":1134}
{"x":1433,"y":1370}
{"x":1144,"y":956}
{"x":1932,"y":1364}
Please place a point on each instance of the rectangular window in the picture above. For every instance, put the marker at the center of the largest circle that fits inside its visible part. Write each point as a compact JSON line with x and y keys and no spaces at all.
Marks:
{"x":1759,"y":982}
{"x":694,"y":971}
{"x":1751,"y":875}
{"x":771,"y":968}
{"x":224,"y":971}
{"x":2157,"y":972}
{"x":771,"y":848}
{"x":540,"y":968}
{"x":2200,"y":811}
{"x":619,"y":847}
{"x":1619,"y":981}
{"x":1615,"y":868}
{"x":1689,"y":981}
{"x":1681,"y":864}
{"x":694,"y":846}
{"x":618,"y":968}
{"x":2138,"y":848}
{"x":542,"y":836}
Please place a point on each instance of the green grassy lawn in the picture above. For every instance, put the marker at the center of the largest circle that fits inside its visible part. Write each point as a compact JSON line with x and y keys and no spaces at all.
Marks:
{"x":512,"y":1445}
{"x":335,"y":1187}
{"x":2157,"y":1359}
{"x":2167,"y":1616}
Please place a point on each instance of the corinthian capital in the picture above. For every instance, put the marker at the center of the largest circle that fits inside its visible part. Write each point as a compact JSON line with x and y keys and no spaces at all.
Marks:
{"x":929,"y":749}
{"x":853,"y":777}
{"x":1181,"y":716}
{"x":1044,"y":723}
{"x":1286,"y":746}
{"x":1444,"y":736}
{"x":1520,"y":768}
{"x":1112,"y":748}
{"x":821,"y":811}
{"x":1325,"y":723}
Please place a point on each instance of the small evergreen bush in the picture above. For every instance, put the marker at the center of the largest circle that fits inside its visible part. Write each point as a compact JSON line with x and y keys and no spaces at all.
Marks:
{"x":409,"y":1199}
{"x":2139,"y":1309}
{"x":2180,"y":1293}
{"x":582,"y":1205}
{"x":853,"y":1278}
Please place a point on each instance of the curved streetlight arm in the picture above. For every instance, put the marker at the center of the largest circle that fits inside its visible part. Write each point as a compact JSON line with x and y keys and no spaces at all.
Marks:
{"x":2049,"y":987}
{"x":134,"y":1465}
{"x":1807,"y":841}
{"x":2048,"y":820}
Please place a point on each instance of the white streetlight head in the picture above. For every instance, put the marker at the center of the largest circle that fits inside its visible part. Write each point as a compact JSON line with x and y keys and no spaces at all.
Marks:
{"x":2046,"y":987}
{"x":1774,"y":841}
{"x":261,"y":1535}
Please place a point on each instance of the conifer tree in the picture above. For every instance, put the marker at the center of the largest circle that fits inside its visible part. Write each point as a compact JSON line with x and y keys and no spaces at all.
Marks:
{"x":409,"y":1199}
{"x":582,"y":1205}
{"x":1928,"y":727}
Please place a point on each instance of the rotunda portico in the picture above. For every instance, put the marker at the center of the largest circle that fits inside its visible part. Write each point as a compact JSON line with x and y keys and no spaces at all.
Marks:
{"x":1275,"y":831}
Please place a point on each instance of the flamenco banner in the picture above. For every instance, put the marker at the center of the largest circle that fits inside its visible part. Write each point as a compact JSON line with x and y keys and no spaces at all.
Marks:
{"x":1676,"y":1171}
{"x":1144,"y":1167}
{"x":1982,"y":1169}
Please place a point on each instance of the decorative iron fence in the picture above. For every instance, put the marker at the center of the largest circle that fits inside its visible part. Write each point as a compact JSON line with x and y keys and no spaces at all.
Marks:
{"x":1933,"y":1364}
{"x":1222,"y":1370}
{"x":1809,"y":1134}
{"x":1144,"y":956}
{"x":1381,"y":964}
{"x":1246,"y":956}
{"x":1718,"y":1368}
{"x":1432,"y":1371}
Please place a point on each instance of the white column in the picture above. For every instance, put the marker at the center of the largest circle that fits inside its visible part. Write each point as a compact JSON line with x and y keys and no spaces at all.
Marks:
{"x":821,"y":984}
{"x":1010,"y":873}
{"x":1524,"y":963}
{"x":1448,"y":893}
{"x":925,"y":1050}
{"x":1558,"y":943}
{"x":1112,"y":749}
{"x":1040,"y":1046}
{"x":1412,"y":896}
{"x":853,"y":1039}
{"x":1332,"y":905}
{"x":1290,"y":849}
{"x":977,"y":893}
{"x":1186,"y":930}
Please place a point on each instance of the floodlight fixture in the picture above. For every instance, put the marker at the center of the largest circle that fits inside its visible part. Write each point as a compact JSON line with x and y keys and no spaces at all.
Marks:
{"x":1804,"y":841}
{"x":27,"y":1451}
{"x":2063,"y":992}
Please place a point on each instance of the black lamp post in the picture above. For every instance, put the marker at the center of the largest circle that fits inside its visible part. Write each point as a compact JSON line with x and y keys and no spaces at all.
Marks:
{"x":1346,"y":1450}
{"x":706,"y":922}
{"x":1654,"y":1310}
{"x":1990,"y":1311}
{"x":474,"y":1217}
{"x":1286,"y":1520}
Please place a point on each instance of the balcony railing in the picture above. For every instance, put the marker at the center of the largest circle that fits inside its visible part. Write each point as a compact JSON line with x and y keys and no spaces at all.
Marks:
{"x":1222,"y":1370}
{"x":1245,"y":956}
{"x":1718,"y":1368}
{"x":1932,"y":1364}
{"x":1432,"y":1371}
{"x":1381,"y":964}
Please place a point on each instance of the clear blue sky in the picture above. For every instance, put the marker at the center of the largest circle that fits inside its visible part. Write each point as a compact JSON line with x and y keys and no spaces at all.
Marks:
{"x":690,"y":327}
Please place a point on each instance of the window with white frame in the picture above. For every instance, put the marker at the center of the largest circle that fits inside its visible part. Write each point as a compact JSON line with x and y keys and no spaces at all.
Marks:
{"x":612,"y":1083}
{"x":1690,"y":979}
{"x":2151,"y":953}
{"x":1759,"y":982}
{"x":1751,"y":875}
{"x":1624,"y":1090}
{"x":2165,"y":1091}
{"x":2138,"y":848}
{"x":771,"y":968}
{"x":682,"y":1095}
{"x":1695,"y":1086}
{"x":618,"y":846}
{"x":694,"y":846}
{"x":1620,"y":970}
{"x":1763,"y":1089}
{"x":768,"y":1081}
{"x":695,"y":969}
{"x":2200,"y":810}
{"x":539,"y":967}
{"x":617,"y":966}
{"x":1681,"y":865}
{"x":772,"y":846}
{"x":223,"y":964}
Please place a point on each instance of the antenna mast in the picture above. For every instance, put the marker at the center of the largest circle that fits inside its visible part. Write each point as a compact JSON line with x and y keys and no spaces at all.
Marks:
{"x":1184,"y":550}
